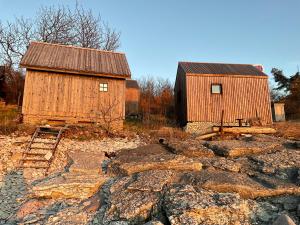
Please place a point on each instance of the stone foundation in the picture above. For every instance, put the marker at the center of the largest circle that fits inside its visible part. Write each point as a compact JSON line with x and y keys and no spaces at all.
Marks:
{"x":60,"y":120}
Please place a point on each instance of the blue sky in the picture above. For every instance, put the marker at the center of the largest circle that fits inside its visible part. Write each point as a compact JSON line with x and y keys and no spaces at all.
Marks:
{"x":156,"y":34}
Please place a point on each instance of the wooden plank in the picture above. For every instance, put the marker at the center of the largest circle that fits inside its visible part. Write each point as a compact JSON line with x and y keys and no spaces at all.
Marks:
{"x":245,"y":130}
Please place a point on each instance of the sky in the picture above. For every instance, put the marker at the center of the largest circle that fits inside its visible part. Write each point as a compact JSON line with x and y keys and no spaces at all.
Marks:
{"x":156,"y":34}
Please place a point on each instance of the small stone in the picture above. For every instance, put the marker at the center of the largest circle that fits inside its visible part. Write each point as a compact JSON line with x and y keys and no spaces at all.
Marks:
{"x":284,"y":220}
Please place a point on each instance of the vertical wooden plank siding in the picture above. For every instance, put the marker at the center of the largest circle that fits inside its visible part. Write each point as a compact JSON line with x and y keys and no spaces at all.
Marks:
{"x":241,"y":97}
{"x":54,"y":95}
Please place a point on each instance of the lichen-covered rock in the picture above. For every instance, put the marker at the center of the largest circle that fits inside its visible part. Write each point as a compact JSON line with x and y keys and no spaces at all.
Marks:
{"x":185,"y":205}
{"x":153,"y":180}
{"x":189,"y":148}
{"x":222,"y":164}
{"x":283,"y":164}
{"x":150,"y":158}
{"x":236,"y":148}
{"x":131,"y":206}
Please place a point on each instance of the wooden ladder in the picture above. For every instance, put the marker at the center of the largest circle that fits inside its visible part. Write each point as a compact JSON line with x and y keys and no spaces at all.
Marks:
{"x":40,"y":157}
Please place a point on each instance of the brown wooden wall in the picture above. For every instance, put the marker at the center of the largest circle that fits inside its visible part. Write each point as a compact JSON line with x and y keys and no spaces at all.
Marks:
{"x":74,"y":98}
{"x":180,"y":97}
{"x":241,"y":97}
{"x":132,"y":98}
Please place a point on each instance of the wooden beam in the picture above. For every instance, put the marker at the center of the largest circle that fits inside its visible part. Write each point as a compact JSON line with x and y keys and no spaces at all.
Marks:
{"x":247,"y":130}
{"x":206,"y":136}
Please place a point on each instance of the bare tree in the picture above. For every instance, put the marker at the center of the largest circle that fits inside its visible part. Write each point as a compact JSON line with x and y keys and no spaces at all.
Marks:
{"x":56,"y":25}
{"x":108,"y":114}
{"x":14,"y":38}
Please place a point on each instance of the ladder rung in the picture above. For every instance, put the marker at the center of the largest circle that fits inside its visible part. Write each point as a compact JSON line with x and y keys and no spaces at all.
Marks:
{"x":33,"y":166}
{"x":47,"y":132}
{"x":34,"y":160}
{"x":34,"y":153}
{"x":40,"y":142}
{"x":42,"y":148}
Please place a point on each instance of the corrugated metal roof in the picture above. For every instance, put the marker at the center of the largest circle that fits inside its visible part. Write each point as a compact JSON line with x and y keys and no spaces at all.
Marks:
{"x":220,"y":68}
{"x":132,"y":84}
{"x":71,"y":59}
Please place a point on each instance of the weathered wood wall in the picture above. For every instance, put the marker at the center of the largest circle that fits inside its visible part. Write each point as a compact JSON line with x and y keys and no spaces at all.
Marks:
{"x":73,"y":98}
{"x":242,"y":96}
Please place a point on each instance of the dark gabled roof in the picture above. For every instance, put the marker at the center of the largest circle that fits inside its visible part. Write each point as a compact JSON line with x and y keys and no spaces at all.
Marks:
{"x":220,"y":68}
{"x":132,"y":84}
{"x":72,"y":59}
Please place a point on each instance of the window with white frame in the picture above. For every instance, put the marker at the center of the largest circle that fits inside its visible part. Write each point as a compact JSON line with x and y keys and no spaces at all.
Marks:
{"x":103,"y":87}
{"x":216,"y":88}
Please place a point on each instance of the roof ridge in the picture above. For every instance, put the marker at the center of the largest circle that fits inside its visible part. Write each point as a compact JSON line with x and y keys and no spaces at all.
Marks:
{"x":74,"y":46}
{"x":246,"y":64}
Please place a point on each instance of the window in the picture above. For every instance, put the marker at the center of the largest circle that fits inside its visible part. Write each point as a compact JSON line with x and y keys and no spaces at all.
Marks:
{"x":104,"y":87}
{"x":216,"y":88}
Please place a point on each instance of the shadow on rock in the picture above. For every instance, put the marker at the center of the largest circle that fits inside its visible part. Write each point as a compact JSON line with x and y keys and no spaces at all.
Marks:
{"x":12,"y":191}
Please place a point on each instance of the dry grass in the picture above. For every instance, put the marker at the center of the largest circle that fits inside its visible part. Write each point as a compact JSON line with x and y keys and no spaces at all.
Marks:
{"x":9,"y":119}
{"x":290,"y":129}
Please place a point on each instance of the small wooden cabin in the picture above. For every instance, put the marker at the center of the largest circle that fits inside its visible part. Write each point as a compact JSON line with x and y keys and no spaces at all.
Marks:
{"x":204,"y":90}
{"x":132,"y":98}
{"x":67,"y":84}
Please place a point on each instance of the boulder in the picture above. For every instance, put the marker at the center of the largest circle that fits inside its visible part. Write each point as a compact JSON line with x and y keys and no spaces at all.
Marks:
{"x":184,"y":204}
{"x":150,"y":158}
{"x":237,"y":148}
{"x":245,"y":186}
{"x":284,"y":220}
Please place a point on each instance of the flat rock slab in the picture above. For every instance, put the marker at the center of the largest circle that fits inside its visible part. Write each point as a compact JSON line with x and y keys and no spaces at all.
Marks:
{"x":236,"y":148}
{"x":152,"y":157}
{"x":185,"y":205}
{"x":70,"y":185}
{"x":190,"y":148}
{"x":84,"y":162}
{"x":245,"y":186}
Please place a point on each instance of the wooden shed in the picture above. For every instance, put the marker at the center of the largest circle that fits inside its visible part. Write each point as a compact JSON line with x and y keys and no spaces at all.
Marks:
{"x":204,"y":90}
{"x":67,"y":84}
{"x":278,"y":111}
{"x":132,"y":98}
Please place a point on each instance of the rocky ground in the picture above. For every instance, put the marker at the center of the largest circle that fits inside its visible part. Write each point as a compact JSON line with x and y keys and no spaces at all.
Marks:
{"x":244,"y":180}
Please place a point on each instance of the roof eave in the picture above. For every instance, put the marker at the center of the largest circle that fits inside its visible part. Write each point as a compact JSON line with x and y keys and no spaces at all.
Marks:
{"x":85,"y":73}
{"x":226,"y":75}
